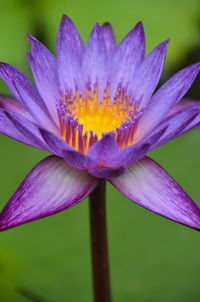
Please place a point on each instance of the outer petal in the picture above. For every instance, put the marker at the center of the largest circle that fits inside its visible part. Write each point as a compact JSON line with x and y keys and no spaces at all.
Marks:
{"x":147,"y":75}
{"x":177,"y":124}
{"x":43,"y":65}
{"x":95,"y":64}
{"x":52,"y":186}
{"x":149,"y":185}
{"x":109,"y":38}
{"x":127,"y":56}
{"x":69,"y":51}
{"x":26,"y":94}
{"x":165,"y":98}
{"x":183,"y":103}
{"x":21,"y":129}
{"x":10,"y":104}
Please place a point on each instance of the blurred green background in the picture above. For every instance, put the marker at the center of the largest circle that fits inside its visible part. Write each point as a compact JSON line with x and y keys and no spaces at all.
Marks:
{"x":152,"y":259}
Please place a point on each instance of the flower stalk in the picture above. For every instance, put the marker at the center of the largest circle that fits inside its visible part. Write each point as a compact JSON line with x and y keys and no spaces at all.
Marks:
{"x":99,"y":244}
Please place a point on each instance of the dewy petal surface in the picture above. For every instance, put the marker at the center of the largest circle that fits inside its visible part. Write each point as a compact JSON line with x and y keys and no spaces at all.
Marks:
{"x":149,"y":185}
{"x":52,"y":186}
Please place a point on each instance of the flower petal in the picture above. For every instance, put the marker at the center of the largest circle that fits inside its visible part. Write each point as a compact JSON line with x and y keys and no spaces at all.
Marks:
{"x":127,"y":56}
{"x":109,"y":38}
{"x":20,"y":129}
{"x":79,"y":160}
{"x":9,"y":103}
{"x":69,"y":51}
{"x":107,"y":173}
{"x":52,"y":186}
{"x":149,"y":185}
{"x":43,"y":65}
{"x":177,"y":124}
{"x":26,"y":94}
{"x":133,"y":153}
{"x":95,"y":64}
{"x":56,"y":145}
{"x":183,"y":103}
{"x":103,"y":148}
{"x":165,"y":98}
{"x":147,"y":75}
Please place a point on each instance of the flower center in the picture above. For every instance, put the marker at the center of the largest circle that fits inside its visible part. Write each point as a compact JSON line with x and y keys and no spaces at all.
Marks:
{"x":86,"y":120}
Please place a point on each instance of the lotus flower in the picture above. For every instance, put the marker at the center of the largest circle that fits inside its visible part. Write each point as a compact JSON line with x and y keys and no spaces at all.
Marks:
{"x":95,"y":108}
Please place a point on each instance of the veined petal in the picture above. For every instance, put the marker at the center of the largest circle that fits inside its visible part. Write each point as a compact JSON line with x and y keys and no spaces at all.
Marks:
{"x":149,"y":185}
{"x":95,"y":64}
{"x":107,"y":173}
{"x":56,"y":144}
{"x":43,"y":65}
{"x":79,"y":160}
{"x":51,"y":187}
{"x":165,"y":98}
{"x":21,"y":129}
{"x":103,"y":149}
{"x":9,"y":103}
{"x":109,"y":38}
{"x":177,"y":124}
{"x":27,"y":95}
{"x":147,"y":75}
{"x":133,"y":153}
{"x":127,"y":56}
{"x":69,"y":52}
{"x":183,"y":103}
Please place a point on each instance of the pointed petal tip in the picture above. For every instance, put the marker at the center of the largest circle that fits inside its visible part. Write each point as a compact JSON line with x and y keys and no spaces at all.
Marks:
{"x":106,"y":24}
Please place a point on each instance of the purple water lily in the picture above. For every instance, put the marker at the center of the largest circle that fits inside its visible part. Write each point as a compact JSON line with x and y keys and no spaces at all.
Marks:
{"x":94,"y":107}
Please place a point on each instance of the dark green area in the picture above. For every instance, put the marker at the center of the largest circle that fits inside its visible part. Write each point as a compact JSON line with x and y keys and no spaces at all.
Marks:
{"x":152,"y":259}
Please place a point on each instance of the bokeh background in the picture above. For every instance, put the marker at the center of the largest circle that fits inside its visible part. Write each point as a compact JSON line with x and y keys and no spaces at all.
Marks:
{"x":151,"y":258}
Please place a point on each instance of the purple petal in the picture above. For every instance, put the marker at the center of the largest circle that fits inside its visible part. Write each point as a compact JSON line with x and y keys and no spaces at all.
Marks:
{"x":10,"y":104}
{"x":183,"y":103}
{"x":56,"y":144}
{"x":127,"y":56}
{"x":20,"y":129}
{"x":109,"y":38}
{"x":177,"y":123}
{"x":149,"y":185}
{"x":69,"y":51}
{"x":165,"y":98}
{"x":79,"y":160}
{"x":95,"y":64}
{"x":133,"y":153}
{"x":43,"y":65}
{"x":26,"y":94}
{"x":107,"y":173}
{"x":52,"y":186}
{"x":103,"y":148}
{"x":147,"y":75}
